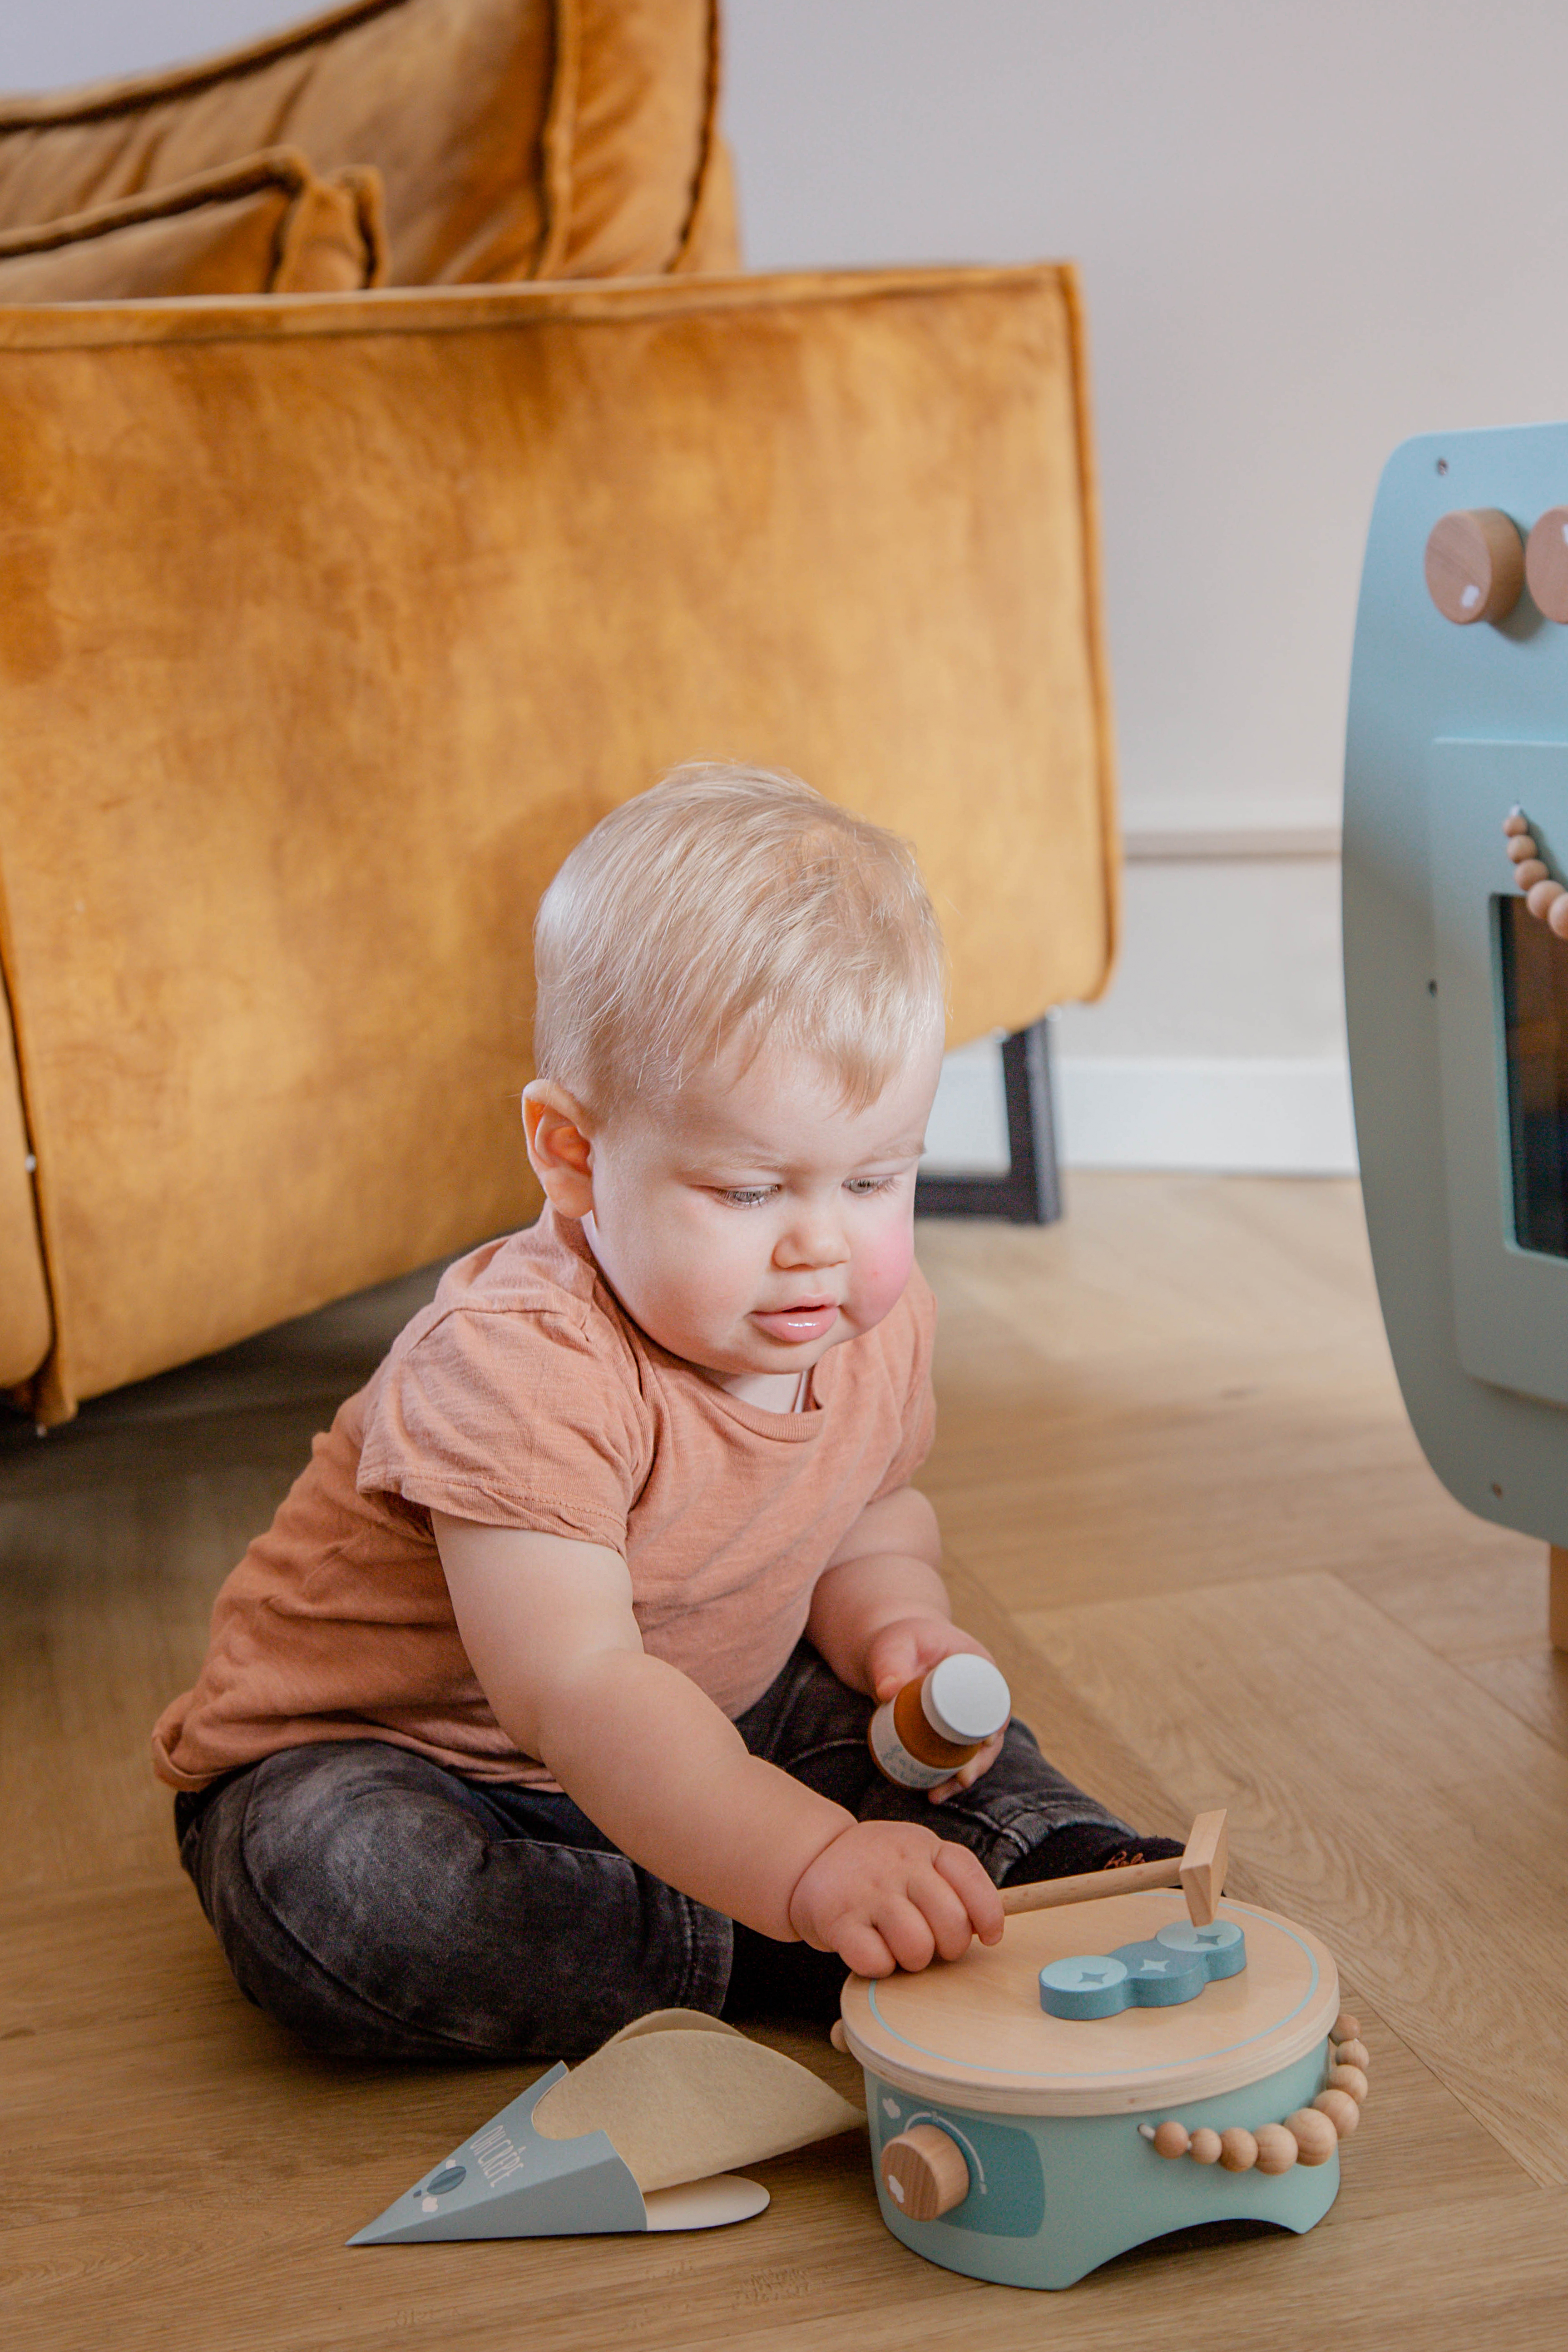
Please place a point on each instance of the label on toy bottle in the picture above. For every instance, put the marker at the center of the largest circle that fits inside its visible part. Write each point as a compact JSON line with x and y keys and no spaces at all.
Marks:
{"x":894,"y":1757}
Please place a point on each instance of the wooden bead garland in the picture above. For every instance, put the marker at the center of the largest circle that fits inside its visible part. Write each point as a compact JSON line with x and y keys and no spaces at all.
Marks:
{"x":1314,"y":2135}
{"x":1543,"y":894}
{"x":1276,"y":2148}
{"x":1308,"y":2136}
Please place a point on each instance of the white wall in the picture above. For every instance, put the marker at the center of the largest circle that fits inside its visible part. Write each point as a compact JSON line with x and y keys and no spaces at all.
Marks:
{"x":48,"y":44}
{"x":1305,"y":233}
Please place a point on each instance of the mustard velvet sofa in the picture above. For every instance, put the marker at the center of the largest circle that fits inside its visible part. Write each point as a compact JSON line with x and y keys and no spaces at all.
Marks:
{"x":330,"y":621}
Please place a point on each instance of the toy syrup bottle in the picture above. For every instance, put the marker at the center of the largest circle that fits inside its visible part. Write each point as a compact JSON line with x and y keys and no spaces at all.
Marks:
{"x":934,"y":1725}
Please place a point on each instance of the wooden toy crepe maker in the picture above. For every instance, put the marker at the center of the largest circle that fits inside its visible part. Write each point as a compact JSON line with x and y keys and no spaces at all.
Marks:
{"x":1034,"y":2130}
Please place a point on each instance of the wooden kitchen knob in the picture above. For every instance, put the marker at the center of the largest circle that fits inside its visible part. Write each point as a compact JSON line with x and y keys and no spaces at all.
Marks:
{"x":1546,"y":562}
{"x":1475,"y":564}
{"x":924,"y":2172}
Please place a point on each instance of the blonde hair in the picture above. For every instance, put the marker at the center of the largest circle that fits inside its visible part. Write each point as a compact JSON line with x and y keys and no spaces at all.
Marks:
{"x":730,"y":904}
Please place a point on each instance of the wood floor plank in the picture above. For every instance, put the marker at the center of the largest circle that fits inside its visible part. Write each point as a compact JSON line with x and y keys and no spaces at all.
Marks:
{"x":1197,"y":1392}
{"x":1077,"y":1740}
{"x":816,"y":2270}
{"x":108,"y":1591}
{"x":1534,"y":1687}
{"x":1458,"y":1615}
{"x":1376,"y":1794}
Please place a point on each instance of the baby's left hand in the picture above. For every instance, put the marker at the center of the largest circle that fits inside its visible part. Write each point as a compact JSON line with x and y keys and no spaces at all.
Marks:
{"x":911,"y":1647}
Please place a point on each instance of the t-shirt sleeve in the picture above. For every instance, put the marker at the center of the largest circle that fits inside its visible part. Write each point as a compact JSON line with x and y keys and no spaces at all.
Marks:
{"x":514,"y":1418}
{"x":919,"y":1427}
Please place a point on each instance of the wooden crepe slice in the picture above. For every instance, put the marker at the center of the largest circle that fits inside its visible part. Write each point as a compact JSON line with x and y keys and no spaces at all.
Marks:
{"x":673,"y":2020}
{"x":679,"y":2104}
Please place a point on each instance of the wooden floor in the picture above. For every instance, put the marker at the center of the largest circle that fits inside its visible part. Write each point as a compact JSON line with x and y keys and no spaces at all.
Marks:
{"x":1182,"y":1504}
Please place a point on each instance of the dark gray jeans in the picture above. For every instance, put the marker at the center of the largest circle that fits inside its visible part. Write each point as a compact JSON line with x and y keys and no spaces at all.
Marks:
{"x":382,"y":1907}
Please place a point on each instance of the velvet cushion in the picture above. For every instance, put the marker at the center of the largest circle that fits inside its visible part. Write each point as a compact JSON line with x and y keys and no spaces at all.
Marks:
{"x":515,"y":138}
{"x":331,"y":626}
{"x":267,"y":225}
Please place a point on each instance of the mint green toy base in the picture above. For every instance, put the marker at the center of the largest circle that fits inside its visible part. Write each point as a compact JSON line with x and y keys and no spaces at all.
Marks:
{"x":1092,"y":2187}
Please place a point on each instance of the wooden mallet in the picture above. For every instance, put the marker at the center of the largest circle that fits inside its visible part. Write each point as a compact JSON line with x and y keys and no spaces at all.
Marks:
{"x":1198,"y":1871}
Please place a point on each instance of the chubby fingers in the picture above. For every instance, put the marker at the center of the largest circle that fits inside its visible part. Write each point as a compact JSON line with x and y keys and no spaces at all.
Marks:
{"x":967,"y":1775}
{"x":864,"y":1951}
{"x":982,"y":1904}
{"x":928,"y":1919}
{"x":895,"y":1657}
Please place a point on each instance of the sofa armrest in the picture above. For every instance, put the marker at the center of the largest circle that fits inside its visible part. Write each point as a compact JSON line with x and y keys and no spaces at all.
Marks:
{"x":333,"y":624}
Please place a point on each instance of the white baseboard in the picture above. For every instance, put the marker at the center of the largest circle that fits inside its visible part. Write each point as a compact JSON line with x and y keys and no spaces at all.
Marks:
{"x":1281,"y":1115}
{"x":1280,"y":1118}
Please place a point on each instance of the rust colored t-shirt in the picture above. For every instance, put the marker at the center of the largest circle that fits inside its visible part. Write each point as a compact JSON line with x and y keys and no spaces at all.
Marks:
{"x":524,"y":1396}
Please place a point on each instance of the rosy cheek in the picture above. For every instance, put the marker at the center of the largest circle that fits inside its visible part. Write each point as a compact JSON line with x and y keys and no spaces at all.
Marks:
{"x":880,"y":1274}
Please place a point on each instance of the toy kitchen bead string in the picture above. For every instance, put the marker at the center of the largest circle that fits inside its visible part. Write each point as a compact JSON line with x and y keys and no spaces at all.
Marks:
{"x":1308,"y":2136}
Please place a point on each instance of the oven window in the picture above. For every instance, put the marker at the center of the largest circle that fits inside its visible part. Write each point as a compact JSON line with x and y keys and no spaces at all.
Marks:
{"x":1535,"y":1022}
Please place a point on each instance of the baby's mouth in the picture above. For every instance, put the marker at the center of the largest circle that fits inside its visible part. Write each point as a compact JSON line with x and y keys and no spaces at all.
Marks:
{"x":808,"y":1321}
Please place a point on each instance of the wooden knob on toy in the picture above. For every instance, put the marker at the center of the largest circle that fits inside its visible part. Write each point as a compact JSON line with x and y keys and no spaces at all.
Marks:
{"x":1314,"y":2135}
{"x":1237,"y":2149}
{"x":1546,"y":562}
{"x":1346,"y":2028}
{"x":1207,"y":2146}
{"x":1172,"y":2138}
{"x":1348,"y":2078}
{"x":924,"y":2172}
{"x":1352,"y":2053}
{"x":1475,"y":564}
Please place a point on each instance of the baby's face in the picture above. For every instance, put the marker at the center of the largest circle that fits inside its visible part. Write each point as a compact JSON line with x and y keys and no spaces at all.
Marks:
{"x":757,"y":1222}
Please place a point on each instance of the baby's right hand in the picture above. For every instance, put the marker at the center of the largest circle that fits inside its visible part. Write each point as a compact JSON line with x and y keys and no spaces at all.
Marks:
{"x":890,"y":1894}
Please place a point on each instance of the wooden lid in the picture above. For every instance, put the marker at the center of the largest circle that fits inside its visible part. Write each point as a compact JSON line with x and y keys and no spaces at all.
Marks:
{"x":972,"y":2031}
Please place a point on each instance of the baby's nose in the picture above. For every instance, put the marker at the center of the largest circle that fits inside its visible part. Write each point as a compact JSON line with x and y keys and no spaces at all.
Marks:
{"x":813,"y":1237}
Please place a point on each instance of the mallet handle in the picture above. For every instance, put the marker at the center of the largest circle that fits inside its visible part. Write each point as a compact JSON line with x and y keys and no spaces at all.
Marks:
{"x":1131,"y":1879}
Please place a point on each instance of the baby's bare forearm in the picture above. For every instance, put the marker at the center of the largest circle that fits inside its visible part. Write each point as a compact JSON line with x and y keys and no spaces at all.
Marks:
{"x":661,"y":1770}
{"x":855,"y":1601}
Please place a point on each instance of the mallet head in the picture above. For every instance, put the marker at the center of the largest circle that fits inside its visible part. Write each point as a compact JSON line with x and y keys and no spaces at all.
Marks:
{"x":1203,"y":1867}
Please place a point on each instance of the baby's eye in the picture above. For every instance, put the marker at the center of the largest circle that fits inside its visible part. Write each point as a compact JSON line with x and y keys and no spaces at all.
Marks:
{"x":750,"y":1196}
{"x":862,"y":1185}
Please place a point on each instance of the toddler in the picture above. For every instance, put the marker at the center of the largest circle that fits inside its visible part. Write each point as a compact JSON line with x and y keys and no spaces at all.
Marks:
{"x":542,"y":1703}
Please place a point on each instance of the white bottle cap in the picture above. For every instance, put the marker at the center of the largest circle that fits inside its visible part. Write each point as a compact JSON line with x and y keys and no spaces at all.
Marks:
{"x":965,"y":1699}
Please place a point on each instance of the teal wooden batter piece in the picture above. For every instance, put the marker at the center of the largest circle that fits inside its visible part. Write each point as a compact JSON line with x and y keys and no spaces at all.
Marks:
{"x":1160,"y":1972}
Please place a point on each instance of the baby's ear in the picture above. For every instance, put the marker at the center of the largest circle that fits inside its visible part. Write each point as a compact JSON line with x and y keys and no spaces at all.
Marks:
{"x":560,"y":1146}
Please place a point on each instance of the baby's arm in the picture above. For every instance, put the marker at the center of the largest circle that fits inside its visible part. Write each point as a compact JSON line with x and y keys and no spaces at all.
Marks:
{"x":880,"y":1613}
{"x":548,"y":1628}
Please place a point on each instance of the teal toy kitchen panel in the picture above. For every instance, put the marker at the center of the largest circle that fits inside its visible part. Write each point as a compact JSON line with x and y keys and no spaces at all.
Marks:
{"x":1456,"y":1000}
